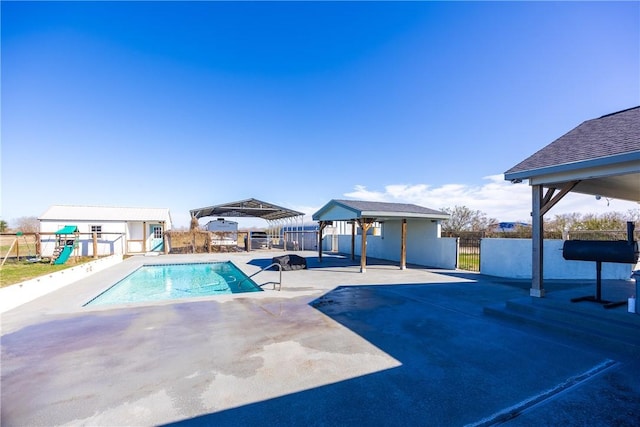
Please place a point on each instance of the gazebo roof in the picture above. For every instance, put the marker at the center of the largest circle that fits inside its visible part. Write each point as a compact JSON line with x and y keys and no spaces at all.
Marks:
{"x":247,"y":208}
{"x":344,"y":210}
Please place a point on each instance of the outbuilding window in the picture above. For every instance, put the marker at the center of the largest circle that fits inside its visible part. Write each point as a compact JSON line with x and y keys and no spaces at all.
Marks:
{"x":96,"y":229}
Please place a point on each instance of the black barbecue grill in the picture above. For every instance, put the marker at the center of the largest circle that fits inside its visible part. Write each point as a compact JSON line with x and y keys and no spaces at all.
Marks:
{"x":618,"y":251}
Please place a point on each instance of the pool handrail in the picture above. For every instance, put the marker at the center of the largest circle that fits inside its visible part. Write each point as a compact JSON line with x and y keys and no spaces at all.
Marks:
{"x":279,"y":283}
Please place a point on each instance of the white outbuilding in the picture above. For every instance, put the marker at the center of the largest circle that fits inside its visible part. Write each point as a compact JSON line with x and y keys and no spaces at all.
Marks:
{"x":106,"y":230}
{"x":398,"y":231}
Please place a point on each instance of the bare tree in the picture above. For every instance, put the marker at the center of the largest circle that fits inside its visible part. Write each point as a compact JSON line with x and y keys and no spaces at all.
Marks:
{"x":633,"y":215}
{"x":466,"y":219}
{"x":593,"y":222}
{"x":28,"y":224}
{"x":563,"y":222}
{"x":194,"y":225}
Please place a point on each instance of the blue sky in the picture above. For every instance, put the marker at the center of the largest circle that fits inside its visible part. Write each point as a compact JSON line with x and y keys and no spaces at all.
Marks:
{"x":186,"y":105}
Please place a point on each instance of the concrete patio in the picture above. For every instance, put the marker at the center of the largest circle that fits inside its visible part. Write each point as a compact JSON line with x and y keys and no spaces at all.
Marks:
{"x":334,"y":347}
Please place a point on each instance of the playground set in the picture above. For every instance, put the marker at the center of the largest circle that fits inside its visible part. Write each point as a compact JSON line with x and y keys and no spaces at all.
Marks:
{"x":67,"y":240}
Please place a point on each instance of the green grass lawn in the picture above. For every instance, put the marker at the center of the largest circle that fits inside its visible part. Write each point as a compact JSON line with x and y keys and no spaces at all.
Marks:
{"x":469,"y":262}
{"x":18,"y":271}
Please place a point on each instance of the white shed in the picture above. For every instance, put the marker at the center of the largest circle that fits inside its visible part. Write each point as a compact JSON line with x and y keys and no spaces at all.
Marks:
{"x":118,"y":230}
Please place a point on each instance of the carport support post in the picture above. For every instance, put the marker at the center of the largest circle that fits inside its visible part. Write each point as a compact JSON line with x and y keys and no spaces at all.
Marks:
{"x":353,"y":240}
{"x":403,"y":245}
{"x":537,"y":238}
{"x":322,"y":225}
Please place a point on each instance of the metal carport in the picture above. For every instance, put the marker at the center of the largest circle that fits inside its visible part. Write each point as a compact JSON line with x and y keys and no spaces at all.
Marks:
{"x":253,"y":208}
{"x":600,"y":157}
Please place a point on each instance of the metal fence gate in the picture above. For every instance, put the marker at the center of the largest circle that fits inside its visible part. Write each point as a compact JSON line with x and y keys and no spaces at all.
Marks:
{"x":468,"y":257}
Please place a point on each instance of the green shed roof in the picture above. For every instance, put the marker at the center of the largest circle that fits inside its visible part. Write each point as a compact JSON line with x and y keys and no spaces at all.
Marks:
{"x":68,"y":229}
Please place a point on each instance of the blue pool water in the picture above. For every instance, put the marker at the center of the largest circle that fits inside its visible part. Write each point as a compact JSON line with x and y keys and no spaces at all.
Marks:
{"x":175,"y":281}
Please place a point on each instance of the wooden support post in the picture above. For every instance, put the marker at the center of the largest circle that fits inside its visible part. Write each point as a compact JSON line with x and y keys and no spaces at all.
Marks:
{"x":365,"y":224}
{"x":38,"y":245}
{"x":541,"y":204}
{"x":76,"y":245}
{"x":94,"y":237}
{"x":165,"y":245}
{"x":537,"y":240}
{"x":10,"y":248}
{"x":403,"y":245}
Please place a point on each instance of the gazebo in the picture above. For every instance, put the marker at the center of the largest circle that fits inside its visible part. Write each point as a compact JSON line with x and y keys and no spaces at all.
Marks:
{"x":600,"y":157}
{"x":366,"y":213}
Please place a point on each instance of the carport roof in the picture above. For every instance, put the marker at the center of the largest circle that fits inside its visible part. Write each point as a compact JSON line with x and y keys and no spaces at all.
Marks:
{"x":344,"y":210}
{"x":247,"y":208}
{"x":602,"y":154}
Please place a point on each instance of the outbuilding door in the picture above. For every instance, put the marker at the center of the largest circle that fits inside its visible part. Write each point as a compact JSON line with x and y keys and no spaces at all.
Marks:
{"x":156,"y":240}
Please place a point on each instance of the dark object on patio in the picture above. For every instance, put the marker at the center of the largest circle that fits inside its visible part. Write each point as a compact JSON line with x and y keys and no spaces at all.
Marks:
{"x":290,"y":262}
{"x":618,"y":251}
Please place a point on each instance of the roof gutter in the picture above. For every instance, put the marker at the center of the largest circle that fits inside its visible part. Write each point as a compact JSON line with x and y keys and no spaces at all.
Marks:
{"x":620,"y":161}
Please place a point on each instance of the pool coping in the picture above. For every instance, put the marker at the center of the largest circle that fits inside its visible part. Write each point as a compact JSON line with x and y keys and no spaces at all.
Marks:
{"x":91,"y":303}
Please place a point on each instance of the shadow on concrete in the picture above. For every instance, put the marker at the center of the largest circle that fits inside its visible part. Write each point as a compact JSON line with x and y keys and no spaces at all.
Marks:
{"x":328,"y":261}
{"x":458,"y":367}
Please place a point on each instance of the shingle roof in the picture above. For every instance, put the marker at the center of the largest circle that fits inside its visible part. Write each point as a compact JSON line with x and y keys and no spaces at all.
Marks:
{"x":610,"y":135}
{"x":368,"y":209}
{"x":386,"y":207}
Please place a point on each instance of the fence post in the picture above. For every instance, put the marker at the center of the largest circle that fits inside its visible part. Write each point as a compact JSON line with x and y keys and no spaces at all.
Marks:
{"x":94,"y":236}
{"x":38,"y":245}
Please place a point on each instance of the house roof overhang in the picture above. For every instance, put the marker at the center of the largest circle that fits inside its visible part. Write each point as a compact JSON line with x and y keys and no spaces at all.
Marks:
{"x":617,"y":178}
{"x":602,"y":155}
{"x":248,"y":208}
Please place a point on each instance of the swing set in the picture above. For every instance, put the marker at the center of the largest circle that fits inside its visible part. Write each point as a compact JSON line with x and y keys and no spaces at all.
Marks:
{"x":31,"y":256}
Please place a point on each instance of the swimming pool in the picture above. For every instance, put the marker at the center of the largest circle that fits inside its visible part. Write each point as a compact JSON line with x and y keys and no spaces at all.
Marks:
{"x":160,"y":282}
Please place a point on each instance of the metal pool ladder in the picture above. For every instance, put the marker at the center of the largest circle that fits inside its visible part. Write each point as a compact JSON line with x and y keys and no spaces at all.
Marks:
{"x":279,"y":282}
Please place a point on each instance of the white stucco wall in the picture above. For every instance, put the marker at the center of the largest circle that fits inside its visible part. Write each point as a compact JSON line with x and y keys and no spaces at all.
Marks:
{"x":512,"y":258}
{"x":20,"y":293}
